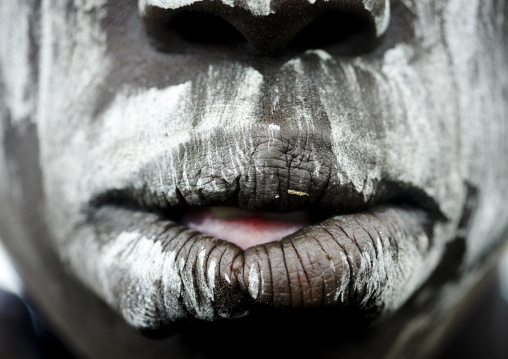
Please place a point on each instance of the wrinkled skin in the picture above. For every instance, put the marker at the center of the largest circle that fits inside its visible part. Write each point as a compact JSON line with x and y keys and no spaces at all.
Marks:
{"x":110,"y":123}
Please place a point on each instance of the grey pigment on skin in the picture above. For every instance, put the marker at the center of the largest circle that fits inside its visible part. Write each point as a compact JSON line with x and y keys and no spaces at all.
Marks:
{"x":422,"y":109}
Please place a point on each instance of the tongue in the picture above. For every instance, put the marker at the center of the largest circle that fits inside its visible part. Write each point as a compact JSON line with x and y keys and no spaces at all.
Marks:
{"x":245,"y":232}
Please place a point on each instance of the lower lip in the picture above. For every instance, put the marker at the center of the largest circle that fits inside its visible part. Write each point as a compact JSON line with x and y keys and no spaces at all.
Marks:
{"x":144,"y":264}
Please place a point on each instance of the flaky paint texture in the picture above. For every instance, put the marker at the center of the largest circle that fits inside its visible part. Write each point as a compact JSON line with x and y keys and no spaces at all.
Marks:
{"x":428,"y":109}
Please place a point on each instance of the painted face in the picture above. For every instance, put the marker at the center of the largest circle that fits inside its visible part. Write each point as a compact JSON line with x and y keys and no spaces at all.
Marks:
{"x":291,"y":164}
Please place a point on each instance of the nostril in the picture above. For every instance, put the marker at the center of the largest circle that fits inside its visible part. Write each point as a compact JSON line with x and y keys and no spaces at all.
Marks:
{"x":202,"y":28}
{"x":347,"y":27}
{"x":175,"y":30}
{"x":344,"y":33}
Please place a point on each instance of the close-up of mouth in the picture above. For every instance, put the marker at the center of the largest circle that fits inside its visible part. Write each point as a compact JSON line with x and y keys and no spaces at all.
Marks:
{"x":195,"y":254}
{"x":253,"y":178}
{"x":247,"y":228}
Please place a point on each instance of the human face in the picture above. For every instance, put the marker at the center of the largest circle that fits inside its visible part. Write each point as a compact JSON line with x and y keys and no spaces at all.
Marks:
{"x":396,"y":138}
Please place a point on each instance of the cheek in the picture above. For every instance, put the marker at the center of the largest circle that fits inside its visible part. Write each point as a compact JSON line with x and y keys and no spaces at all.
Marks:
{"x":482,"y":110}
{"x":72,"y":68}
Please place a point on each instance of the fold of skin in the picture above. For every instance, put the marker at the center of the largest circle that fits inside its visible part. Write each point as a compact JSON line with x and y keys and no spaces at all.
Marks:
{"x":405,"y":147}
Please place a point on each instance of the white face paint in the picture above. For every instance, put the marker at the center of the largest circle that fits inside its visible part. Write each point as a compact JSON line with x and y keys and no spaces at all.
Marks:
{"x":264,"y":7}
{"x":381,"y":11}
{"x":9,"y":278}
{"x":256,"y":7}
{"x":424,"y":110}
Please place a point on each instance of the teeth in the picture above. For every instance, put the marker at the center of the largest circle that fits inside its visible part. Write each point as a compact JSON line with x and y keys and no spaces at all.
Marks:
{"x":230,"y":213}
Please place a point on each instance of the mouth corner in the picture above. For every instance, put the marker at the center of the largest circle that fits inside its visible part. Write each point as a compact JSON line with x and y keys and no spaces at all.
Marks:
{"x":335,"y":261}
{"x":306,"y":206}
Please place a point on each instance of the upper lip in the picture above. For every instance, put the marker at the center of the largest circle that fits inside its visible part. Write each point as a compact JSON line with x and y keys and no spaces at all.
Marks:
{"x":272,"y":274}
{"x":263,"y":178}
{"x":321,"y":202}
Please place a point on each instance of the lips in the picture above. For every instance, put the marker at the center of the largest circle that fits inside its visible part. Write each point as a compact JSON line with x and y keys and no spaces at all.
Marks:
{"x":366,"y":252}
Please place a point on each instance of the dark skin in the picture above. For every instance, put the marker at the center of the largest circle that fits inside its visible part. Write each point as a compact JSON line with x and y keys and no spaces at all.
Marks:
{"x":389,"y":131}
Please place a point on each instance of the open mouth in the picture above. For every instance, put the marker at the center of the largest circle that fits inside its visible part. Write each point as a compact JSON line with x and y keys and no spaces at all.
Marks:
{"x":160,"y":256}
{"x":243,"y":228}
{"x":216,"y":262}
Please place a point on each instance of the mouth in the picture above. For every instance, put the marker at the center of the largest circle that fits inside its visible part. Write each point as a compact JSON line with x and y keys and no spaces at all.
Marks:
{"x":243,"y":228}
{"x":166,"y":256}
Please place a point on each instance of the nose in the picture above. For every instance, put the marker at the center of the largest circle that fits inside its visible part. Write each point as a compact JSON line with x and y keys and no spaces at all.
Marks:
{"x":268,"y":26}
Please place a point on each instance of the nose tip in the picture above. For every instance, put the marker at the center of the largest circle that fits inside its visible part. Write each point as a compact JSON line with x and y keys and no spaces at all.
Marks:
{"x":269,"y":26}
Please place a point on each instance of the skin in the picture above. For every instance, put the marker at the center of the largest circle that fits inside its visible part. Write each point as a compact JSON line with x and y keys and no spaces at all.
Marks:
{"x":109,"y":120}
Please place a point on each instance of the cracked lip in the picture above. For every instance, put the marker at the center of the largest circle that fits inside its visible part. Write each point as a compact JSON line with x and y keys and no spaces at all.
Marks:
{"x":154,"y":271}
{"x":368,"y":257}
